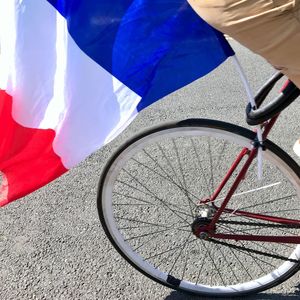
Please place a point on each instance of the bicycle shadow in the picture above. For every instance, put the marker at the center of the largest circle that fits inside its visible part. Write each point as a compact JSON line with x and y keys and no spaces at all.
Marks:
{"x":176,"y":295}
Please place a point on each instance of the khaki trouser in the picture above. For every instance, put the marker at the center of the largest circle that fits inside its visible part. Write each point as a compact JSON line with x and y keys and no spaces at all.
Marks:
{"x":270,"y":28}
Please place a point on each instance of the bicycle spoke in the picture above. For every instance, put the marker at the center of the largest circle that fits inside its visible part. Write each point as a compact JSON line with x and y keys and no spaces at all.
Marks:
{"x":147,"y":226}
{"x":260,"y":244}
{"x":263,"y":247}
{"x":225,"y":259}
{"x":234,"y":254}
{"x":258,"y":228}
{"x":161,"y":200}
{"x":211,"y":166}
{"x":169,"y":178}
{"x":153,"y":204}
{"x":149,"y":223}
{"x":250,"y":254}
{"x":185,"y":264}
{"x":183,"y":178}
{"x":247,"y":192}
{"x":268,"y":202}
{"x":170,"y":165}
{"x":145,"y":242}
{"x":150,"y":233}
{"x":184,"y":245}
{"x":215,"y":266}
{"x":134,"y":198}
{"x":221,"y":153}
{"x":277,"y":211}
{"x":183,"y":189}
{"x":168,"y":256}
{"x":201,"y":168}
{"x":256,"y":251}
{"x":202,"y":263}
{"x":166,"y":251}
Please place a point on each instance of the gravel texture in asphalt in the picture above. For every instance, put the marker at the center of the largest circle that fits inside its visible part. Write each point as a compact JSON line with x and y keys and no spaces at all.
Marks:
{"x":51,"y":242}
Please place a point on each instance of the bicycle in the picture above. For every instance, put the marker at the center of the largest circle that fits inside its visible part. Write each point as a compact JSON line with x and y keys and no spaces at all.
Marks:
{"x":169,"y":210}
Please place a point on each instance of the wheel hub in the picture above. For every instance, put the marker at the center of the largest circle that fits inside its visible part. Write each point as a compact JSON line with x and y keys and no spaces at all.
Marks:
{"x":201,"y":222}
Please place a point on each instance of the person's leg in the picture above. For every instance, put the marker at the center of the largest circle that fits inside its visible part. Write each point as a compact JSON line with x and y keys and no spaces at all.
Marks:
{"x":270,"y":28}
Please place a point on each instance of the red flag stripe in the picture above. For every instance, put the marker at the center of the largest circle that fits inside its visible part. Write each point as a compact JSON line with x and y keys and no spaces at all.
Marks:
{"x":27,"y":158}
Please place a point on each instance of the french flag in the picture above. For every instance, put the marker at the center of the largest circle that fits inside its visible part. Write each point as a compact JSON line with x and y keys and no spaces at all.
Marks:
{"x":75,"y":73}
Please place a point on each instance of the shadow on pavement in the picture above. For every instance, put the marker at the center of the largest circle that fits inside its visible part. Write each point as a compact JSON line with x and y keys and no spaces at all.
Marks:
{"x":175,"y":295}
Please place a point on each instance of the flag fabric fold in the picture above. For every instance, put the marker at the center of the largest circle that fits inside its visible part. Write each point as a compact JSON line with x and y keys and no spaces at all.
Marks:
{"x":74,"y":74}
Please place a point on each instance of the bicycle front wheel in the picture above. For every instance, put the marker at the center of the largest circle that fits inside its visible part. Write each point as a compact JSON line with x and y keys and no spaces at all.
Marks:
{"x":150,"y":198}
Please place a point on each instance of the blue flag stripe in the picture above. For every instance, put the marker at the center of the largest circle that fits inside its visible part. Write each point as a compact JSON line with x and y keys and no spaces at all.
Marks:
{"x":154,"y":47}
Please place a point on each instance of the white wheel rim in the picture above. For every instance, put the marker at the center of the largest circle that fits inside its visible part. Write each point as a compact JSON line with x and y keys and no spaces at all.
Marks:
{"x":148,"y":268}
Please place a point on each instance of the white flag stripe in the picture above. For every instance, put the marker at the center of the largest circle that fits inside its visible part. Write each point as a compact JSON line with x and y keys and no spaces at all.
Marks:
{"x":63,"y":88}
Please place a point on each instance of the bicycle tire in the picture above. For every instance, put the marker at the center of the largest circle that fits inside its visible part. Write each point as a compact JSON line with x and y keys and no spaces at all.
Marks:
{"x":211,"y":127}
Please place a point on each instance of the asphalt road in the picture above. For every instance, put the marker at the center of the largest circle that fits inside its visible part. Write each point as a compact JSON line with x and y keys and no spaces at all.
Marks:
{"x":51,"y":242}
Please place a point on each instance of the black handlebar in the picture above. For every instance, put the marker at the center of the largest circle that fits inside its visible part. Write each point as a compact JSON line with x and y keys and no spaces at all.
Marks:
{"x":290,"y":92}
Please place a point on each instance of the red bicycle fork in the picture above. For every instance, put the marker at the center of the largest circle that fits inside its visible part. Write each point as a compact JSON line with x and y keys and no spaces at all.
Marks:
{"x":209,"y":229}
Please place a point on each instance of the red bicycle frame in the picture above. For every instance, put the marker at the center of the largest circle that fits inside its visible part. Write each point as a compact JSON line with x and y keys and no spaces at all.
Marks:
{"x":210,"y":228}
